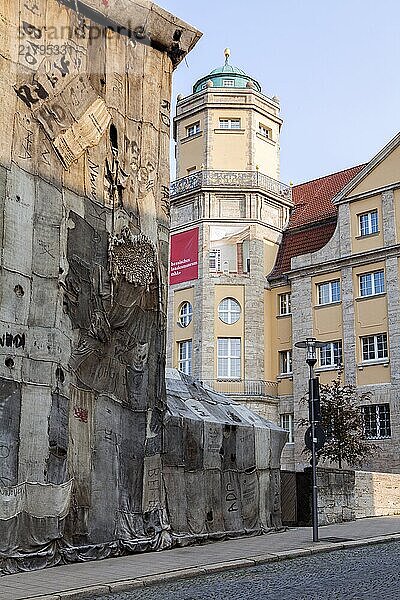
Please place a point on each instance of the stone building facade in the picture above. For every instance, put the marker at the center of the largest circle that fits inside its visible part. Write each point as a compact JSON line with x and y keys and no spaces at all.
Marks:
{"x":363,"y":256}
{"x":326,"y":267}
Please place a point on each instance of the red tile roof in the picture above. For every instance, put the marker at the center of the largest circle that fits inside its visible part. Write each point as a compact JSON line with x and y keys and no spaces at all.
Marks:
{"x":313,"y":219}
{"x":313,"y":199}
{"x":301,"y":241}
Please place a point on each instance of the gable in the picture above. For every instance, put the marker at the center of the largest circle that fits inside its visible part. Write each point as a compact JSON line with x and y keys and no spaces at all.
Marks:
{"x":385,"y":173}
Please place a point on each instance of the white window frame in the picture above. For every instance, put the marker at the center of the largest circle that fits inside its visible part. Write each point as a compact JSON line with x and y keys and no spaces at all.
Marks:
{"x":215,"y":260}
{"x":185,"y":314}
{"x":370,"y":281}
{"x":287,"y":423}
{"x":265,"y":131}
{"x":229,"y":358}
{"x":285,"y":362}
{"x":377,"y":416}
{"x":285,"y":304}
{"x":193,"y":129}
{"x":229,"y":311}
{"x":185,"y":352}
{"x":330,"y":296}
{"x":327,"y":355}
{"x":228,"y":83}
{"x":234,"y":123}
{"x":376,"y":346}
{"x":368,"y":223}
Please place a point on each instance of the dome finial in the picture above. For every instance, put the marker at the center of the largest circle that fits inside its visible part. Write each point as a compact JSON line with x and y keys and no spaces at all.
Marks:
{"x":227,"y":53}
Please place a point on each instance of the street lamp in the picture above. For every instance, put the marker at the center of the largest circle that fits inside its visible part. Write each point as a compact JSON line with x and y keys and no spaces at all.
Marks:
{"x":311,"y":344}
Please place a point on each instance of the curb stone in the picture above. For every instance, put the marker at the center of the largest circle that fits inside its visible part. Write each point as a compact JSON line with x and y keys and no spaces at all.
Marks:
{"x":320,"y":549}
{"x":292,"y":553}
{"x":262,"y":559}
{"x":172,"y":575}
{"x":124,"y":586}
{"x":149,"y":580}
{"x":225,"y":566}
{"x":86,"y":592}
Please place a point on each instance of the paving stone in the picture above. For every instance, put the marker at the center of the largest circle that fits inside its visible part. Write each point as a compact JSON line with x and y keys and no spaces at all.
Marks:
{"x":364,"y":573}
{"x":139,"y":571}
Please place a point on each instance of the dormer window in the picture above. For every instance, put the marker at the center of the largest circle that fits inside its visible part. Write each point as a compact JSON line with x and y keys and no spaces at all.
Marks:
{"x":228,"y":83}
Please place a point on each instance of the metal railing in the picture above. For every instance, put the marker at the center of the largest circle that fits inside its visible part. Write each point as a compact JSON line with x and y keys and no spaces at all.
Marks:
{"x":242,"y":387}
{"x":230,"y":179}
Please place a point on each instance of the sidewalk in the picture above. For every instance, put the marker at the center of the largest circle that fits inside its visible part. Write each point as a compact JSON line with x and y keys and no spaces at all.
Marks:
{"x":83,"y":580}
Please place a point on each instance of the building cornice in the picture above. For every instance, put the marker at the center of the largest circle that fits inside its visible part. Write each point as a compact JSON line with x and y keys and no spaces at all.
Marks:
{"x":142,"y":21}
{"x":225,"y":91}
{"x":227,"y":222}
{"x":371,"y":193}
{"x":352,"y":260}
{"x":226,"y":105}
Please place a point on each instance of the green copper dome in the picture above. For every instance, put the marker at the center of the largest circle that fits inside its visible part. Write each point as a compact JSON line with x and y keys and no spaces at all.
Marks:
{"x":227,"y":76}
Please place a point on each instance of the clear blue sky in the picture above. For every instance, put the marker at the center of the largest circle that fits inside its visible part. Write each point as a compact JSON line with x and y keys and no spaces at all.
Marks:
{"x":335,"y":65}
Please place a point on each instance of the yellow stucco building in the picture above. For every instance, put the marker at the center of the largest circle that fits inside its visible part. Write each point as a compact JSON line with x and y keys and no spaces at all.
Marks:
{"x":267,"y":265}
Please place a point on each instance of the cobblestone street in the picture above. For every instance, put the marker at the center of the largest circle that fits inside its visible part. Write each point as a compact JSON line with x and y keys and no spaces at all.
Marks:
{"x":368,"y":573}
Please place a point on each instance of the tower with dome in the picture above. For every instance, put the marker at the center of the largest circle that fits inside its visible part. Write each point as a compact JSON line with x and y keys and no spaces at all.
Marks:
{"x":228,"y":211}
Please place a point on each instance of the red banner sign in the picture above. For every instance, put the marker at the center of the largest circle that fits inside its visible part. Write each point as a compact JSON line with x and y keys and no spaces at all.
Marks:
{"x":184,"y":261}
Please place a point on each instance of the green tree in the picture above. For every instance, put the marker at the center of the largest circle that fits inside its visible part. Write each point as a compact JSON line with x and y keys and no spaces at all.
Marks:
{"x":342,"y":421}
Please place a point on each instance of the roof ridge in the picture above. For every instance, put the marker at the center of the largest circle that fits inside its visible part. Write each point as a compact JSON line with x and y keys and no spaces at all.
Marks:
{"x":330,"y":175}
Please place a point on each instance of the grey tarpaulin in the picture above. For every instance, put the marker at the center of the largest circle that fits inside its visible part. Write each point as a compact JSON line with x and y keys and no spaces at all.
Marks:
{"x":96,"y":460}
{"x":219,"y":482}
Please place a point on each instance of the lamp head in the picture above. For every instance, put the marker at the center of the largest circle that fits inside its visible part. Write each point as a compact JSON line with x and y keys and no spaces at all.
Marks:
{"x":311,"y":345}
{"x":311,"y":355}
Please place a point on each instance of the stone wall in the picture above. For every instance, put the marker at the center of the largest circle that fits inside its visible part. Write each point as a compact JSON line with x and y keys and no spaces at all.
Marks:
{"x":376,"y":494}
{"x":336,"y":499}
{"x":348,"y":495}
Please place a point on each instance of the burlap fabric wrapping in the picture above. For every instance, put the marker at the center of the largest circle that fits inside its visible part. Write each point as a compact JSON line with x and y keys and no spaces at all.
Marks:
{"x":94,"y":461}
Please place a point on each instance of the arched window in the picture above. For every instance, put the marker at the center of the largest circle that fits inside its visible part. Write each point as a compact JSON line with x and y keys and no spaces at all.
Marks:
{"x":185,"y":314}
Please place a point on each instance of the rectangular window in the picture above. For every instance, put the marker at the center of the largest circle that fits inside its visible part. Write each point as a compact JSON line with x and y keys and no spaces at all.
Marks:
{"x":229,"y":123}
{"x":376,"y":421}
{"x":328,"y":292}
{"x":228,"y":83}
{"x":330,"y":354}
{"x":374,"y":347}
{"x":285,"y":362}
{"x":228,"y":358}
{"x":264,"y":131}
{"x":372,"y":283}
{"x":185,"y":357}
{"x":193,"y":129}
{"x":287,"y":424}
{"x":368,"y":222}
{"x":285,"y":304}
{"x":215,"y":260}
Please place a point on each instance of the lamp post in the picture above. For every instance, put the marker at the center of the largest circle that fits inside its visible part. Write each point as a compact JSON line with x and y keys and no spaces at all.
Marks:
{"x":311,"y":344}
